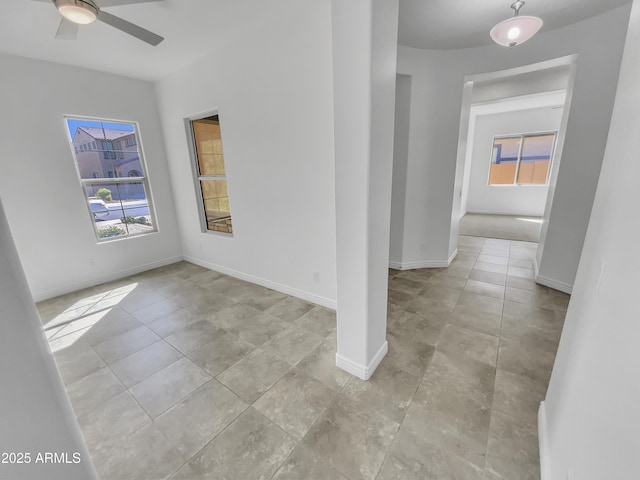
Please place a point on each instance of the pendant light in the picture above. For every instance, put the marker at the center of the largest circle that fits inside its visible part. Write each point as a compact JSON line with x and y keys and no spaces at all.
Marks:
{"x":517,"y":29}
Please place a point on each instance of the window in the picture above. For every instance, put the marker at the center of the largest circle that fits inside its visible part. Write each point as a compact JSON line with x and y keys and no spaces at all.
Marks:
{"x":118,"y":206}
{"x":130,"y":141}
{"x":211,"y":174}
{"x":522,"y":159}
{"x":117,"y":146}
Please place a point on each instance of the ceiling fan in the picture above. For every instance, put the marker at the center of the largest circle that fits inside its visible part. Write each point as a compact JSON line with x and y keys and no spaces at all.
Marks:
{"x":82,"y":12}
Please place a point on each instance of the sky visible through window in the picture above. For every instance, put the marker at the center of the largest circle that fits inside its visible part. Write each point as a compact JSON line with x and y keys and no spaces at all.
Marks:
{"x":73,"y":124}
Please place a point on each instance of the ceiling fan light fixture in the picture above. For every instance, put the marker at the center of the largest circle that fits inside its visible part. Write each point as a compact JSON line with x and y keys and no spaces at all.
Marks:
{"x":517,"y":29}
{"x":81,"y":12}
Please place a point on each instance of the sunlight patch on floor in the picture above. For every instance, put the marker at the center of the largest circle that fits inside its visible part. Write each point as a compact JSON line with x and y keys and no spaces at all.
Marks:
{"x":70,"y":325}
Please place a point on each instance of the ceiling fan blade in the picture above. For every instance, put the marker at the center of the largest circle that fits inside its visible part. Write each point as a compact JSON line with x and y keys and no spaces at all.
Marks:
{"x":128,"y":27}
{"x":67,"y":30}
{"x":116,"y":3}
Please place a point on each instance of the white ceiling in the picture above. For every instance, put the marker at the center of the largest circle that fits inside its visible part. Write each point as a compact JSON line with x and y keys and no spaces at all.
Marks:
{"x":194,"y":27}
{"x":191,"y":29}
{"x":437,"y":24}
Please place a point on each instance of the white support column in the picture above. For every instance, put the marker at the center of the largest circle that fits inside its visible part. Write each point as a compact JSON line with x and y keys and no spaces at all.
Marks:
{"x":365,"y":36}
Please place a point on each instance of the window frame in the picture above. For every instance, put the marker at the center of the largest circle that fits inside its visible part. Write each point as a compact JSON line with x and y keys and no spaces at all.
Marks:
{"x":519,"y":159}
{"x":195,"y":173}
{"x":84,"y":182}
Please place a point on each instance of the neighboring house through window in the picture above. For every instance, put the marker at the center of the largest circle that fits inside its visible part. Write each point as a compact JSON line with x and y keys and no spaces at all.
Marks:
{"x":522,"y":159}
{"x":211,"y":174}
{"x":113,"y":178}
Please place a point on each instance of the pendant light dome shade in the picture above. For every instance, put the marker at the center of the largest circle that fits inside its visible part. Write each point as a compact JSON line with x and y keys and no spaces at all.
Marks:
{"x":515,"y":30}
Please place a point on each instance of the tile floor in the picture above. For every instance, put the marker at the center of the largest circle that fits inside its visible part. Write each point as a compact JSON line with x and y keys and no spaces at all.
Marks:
{"x":184,"y":373}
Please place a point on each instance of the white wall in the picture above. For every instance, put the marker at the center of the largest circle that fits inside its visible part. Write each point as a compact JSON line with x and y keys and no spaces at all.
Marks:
{"x":273,"y":90}
{"x":39,"y":184}
{"x":506,"y":199}
{"x":593,"y":401}
{"x":437,"y":89}
{"x":400,"y":159}
{"x":35,"y":412}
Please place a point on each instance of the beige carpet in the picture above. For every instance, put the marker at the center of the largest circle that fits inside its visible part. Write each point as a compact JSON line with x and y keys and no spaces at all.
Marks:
{"x":509,"y":227}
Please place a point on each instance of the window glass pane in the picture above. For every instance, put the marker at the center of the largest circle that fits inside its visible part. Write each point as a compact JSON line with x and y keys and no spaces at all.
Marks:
{"x":216,"y":205}
{"x":536,"y":158}
{"x":119,"y":208}
{"x":504,"y":160}
{"x":114,"y":151}
{"x":209,"y":146}
{"x":211,"y":173}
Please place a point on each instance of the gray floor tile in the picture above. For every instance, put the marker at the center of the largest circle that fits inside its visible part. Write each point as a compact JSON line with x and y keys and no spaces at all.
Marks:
{"x":493,"y":259}
{"x":512,"y":450}
{"x":218,"y":355}
{"x":318,"y":320}
{"x":174,"y":321}
{"x":518,"y":397}
{"x":233,"y":318}
{"x":295,"y":402}
{"x":156,"y":310}
{"x":260,"y":329}
{"x":107,"y":324}
{"x":473,"y":319}
{"x":114,"y":348}
{"x":292,"y":344}
{"x":321,"y":364}
{"x":93,"y":390}
{"x":484,"y":288}
{"x":409,"y":354}
{"x":531,"y":362}
{"x":352,"y":438}
{"x":251,"y":447}
{"x":254,"y":375}
{"x":390,"y":391}
{"x":116,"y":420}
{"x":452,"y":416}
{"x":481,"y":303}
{"x":144,"y":363}
{"x":414,"y":458}
{"x":463,"y":342}
{"x":77,"y":361}
{"x":303,"y":463}
{"x":194,"y":336}
{"x":262,"y":300}
{"x":171,"y":384}
{"x":423,"y":327}
{"x":490,"y":267}
{"x":194,"y":421}
{"x":541,"y":317}
{"x":289,"y":309}
{"x":144,"y":455}
{"x":488,"y":277}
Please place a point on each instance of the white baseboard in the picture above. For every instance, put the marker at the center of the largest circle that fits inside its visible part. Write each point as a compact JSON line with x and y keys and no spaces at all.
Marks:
{"x":363,"y":372}
{"x":310,"y":297}
{"x":422,"y":264}
{"x":502,"y":212}
{"x":40,"y":296}
{"x":543,"y":442}
{"x":550,"y":282}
